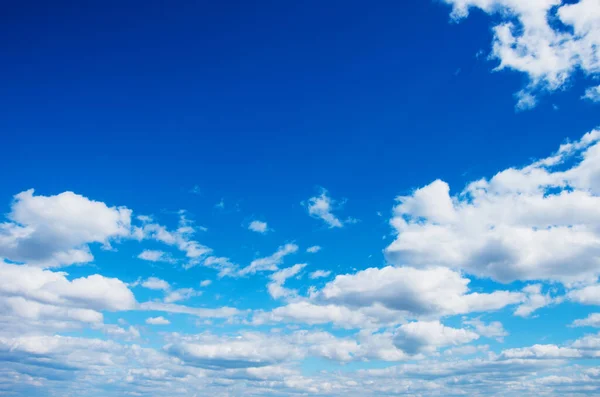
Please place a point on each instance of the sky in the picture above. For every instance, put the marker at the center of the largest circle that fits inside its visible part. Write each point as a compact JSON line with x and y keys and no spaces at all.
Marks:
{"x":300,"y":198}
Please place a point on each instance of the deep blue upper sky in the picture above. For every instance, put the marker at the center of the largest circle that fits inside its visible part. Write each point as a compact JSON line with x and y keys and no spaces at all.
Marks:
{"x":262,"y":99}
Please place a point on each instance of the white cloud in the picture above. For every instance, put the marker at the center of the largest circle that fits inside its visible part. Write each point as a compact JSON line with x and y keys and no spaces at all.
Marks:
{"x":245,"y":351}
{"x":322,"y":207}
{"x":527,"y":39}
{"x":56,"y":230}
{"x":593,"y":320}
{"x":592,"y":94}
{"x":157,"y":321}
{"x":416,"y":292}
{"x":493,"y":329}
{"x":94,"y":292}
{"x":535,"y":300}
{"x":130,"y":333}
{"x":275,"y":287}
{"x":156,"y":284}
{"x":180,"y":294}
{"x":258,"y":226}
{"x":180,"y":238}
{"x":270,"y":263}
{"x":205,"y":283}
{"x":223,"y":265}
{"x":589,"y":295}
{"x":156,"y":256}
{"x":538,"y":222}
{"x":222,"y":312}
{"x":310,"y":313}
{"x":427,"y":336}
{"x":542,"y":352}
{"x":319,"y":274}
{"x":314,"y":249}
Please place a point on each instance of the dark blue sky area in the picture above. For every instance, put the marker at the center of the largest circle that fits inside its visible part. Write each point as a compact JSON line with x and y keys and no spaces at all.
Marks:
{"x":260,"y":99}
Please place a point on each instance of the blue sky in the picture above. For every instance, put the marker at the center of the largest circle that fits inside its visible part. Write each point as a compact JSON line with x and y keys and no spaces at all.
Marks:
{"x":279,"y":199}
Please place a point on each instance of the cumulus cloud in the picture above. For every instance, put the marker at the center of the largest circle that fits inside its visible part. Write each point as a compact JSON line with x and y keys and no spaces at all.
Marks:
{"x":205,"y":283}
{"x":588,"y":295}
{"x":420,"y":336}
{"x":53,"y":231}
{"x":547,"y":40}
{"x":416,"y":292}
{"x":246,"y":351}
{"x":593,"y":320}
{"x":94,"y":292}
{"x":535,"y":300}
{"x":538,"y":222}
{"x":258,"y":226}
{"x":270,"y":263}
{"x":156,"y":284}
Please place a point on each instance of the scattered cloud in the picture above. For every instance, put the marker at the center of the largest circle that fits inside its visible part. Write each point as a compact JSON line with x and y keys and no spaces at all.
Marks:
{"x":320,"y":274}
{"x":157,"y":321}
{"x":537,"y":222}
{"x":258,"y":227}
{"x":269,"y":263}
{"x":275,"y":287}
{"x":53,"y":231}
{"x":156,"y":284}
{"x":323,"y":206}
{"x":549,"y":41}
{"x":205,"y":283}
{"x":592,"y":94}
{"x":156,"y":256}
{"x":314,"y":249}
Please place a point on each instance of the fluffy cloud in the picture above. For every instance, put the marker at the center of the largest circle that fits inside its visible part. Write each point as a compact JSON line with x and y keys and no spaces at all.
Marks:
{"x":538,"y":222}
{"x":156,"y":284}
{"x":310,"y":313}
{"x":416,"y":292}
{"x":258,"y":227}
{"x":535,"y":300}
{"x":246,"y":351}
{"x":275,"y":287}
{"x":592,"y":94}
{"x":528,"y":39}
{"x":593,"y":320}
{"x":588,"y":295}
{"x":56,"y":230}
{"x":157,"y":321}
{"x":270,"y":263}
{"x":94,"y":292}
{"x":420,"y":336}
